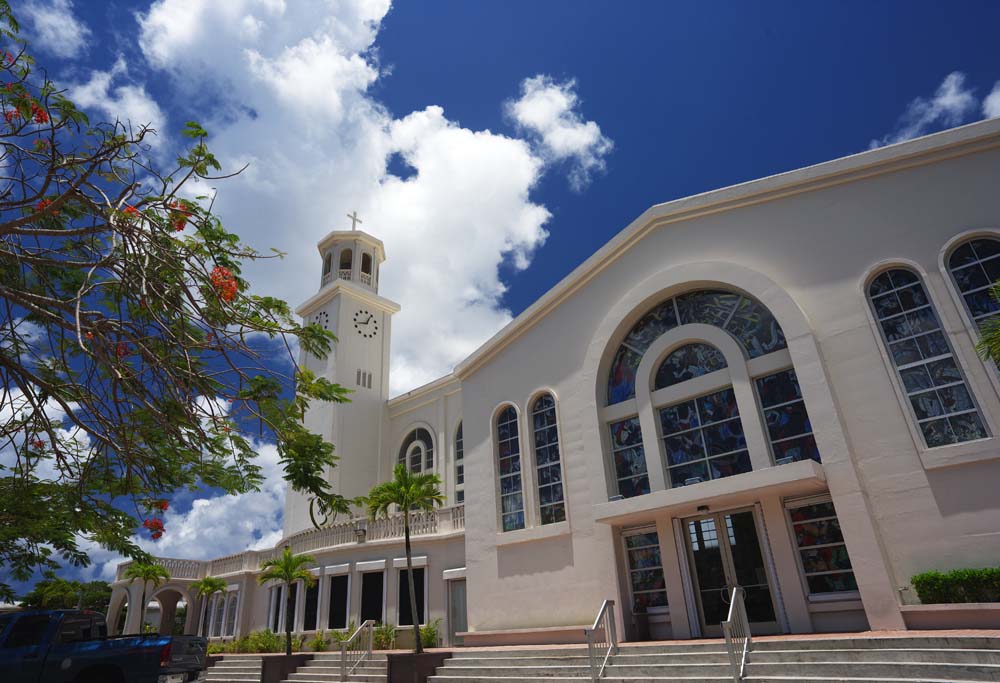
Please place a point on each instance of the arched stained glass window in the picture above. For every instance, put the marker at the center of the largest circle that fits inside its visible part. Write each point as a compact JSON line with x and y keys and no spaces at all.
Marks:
{"x":939,"y":398}
{"x":417,"y":451}
{"x":687,"y":362}
{"x":974,"y":267}
{"x":547,"y":462}
{"x":459,"y":466}
{"x":509,"y":461}
{"x":747,"y":320}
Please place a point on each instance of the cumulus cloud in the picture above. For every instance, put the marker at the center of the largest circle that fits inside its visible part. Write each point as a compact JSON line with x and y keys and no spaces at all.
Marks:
{"x":991,"y":105}
{"x":54,"y":28}
{"x":952,"y":104}
{"x":319,"y":144}
{"x":128,"y":102}
{"x":547,"y":111}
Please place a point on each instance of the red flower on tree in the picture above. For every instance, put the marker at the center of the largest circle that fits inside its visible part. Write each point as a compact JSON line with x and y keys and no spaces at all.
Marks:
{"x":178,"y":216}
{"x":11,"y":114}
{"x":41,"y":144}
{"x":121,"y":349}
{"x":155,"y":526}
{"x":38,"y":114}
{"x":38,"y":444}
{"x":224,"y":283}
{"x":162,"y":505}
{"x":44,"y":204}
{"x":131,"y":211}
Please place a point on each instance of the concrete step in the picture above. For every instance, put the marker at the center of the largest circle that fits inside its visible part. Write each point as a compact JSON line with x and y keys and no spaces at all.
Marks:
{"x":904,"y":670}
{"x":326,"y":678}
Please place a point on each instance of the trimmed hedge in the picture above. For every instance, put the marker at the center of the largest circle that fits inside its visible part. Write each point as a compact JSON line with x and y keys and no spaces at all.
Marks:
{"x":958,"y":585}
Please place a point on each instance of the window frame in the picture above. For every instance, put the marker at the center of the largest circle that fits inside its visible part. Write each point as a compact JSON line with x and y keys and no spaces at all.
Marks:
{"x":495,"y":431}
{"x":834,"y":596}
{"x":427,"y":450}
{"x":896,"y":378}
{"x":637,"y":531}
{"x":399,"y":596}
{"x":458,"y":444}
{"x":537,"y":485}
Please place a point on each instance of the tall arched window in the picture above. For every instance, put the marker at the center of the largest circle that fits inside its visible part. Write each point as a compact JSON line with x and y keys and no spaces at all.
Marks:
{"x":974,"y":267}
{"x":417,"y":451}
{"x":509,"y":462}
{"x":346,"y":258}
{"x":459,"y":466}
{"x":939,"y":398}
{"x":702,"y":436}
{"x":551,"y":505}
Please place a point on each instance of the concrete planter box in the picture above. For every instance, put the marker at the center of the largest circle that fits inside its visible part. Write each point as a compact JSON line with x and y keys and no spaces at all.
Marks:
{"x":953,"y":615}
{"x":413,"y":668}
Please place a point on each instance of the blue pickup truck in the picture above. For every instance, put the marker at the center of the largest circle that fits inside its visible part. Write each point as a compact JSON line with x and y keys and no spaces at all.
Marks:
{"x":72,"y":646}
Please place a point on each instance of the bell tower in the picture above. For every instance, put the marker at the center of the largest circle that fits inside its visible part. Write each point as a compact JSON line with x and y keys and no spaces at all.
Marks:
{"x":349,"y":305}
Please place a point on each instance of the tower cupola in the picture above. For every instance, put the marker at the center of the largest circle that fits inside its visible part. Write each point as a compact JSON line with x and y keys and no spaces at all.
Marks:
{"x":352,"y":255}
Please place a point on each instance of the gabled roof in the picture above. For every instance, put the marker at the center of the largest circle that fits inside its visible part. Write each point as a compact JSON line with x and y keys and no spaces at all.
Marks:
{"x":956,"y":142}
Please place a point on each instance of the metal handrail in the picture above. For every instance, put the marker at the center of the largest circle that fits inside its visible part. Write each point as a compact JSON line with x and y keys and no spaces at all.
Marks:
{"x":602,"y":640}
{"x":736,"y":629}
{"x":356,"y":649}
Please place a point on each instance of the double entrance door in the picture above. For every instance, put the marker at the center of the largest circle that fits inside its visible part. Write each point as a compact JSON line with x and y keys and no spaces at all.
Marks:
{"x":725,"y":551}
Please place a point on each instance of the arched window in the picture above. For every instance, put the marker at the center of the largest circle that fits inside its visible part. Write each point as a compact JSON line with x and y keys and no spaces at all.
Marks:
{"x":974,"y":267}
{"x":746,"y":319}
{"x":417,"y":451}
{"x":551,"y":505}
{"x":459,"y":467}
{"x":327,"y":264}
{"x":702,"y":436}
{"x":509,"y":461}
{"x":346,"y":258}
{"x":939,"y":398}
{"x":366,"y":264}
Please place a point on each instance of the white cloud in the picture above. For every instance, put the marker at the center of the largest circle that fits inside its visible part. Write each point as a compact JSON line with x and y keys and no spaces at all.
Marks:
{"x":128,"y":103}
{"x":54,"y":28}
{"x":951,"y":105}
{"x":319,"y":144}
{"x":214,"y":526}
{"x":547,"y":111}
{"x":991,"y":104}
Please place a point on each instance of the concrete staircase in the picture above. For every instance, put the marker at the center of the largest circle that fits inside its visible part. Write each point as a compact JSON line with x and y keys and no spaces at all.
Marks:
{"x":784,"y":660}
{"x":233,"y":669}
{"x":325,"y":668}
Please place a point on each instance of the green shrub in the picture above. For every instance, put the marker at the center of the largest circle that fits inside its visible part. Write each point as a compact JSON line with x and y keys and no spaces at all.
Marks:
{"x":958,"y":585}
{"x":262,"y":641}
{"x":318,"y":643}
{"x":215,"y":648}
{"x":341,"y":636}
{"x":429,"y":633}
{"x":384,"y":636}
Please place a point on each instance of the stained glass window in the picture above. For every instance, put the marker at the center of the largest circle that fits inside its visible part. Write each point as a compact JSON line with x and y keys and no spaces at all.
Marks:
{"x":975,"y":266}
{"x":941,"y":401}
{"x":417,"y":451}
{"x":509,"y":454}
{"x":788,"y":426}
{"x":704,"y":439}
{"x":825,"y":562}
{"x":459,"y":466}
{"x":231,"y":613}
{"x":688,"y":362}
{"x":746,"y":319}
{"x":645,"y":571}
{"x":549,"y":471}
{"x":629,"y":458}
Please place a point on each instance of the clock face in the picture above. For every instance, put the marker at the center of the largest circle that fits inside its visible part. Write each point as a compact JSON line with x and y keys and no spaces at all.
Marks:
{"x":322,"y":319}
{"x":365,"y":324}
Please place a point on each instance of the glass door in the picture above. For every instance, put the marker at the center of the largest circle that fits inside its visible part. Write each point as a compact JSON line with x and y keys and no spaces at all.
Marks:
{"x":724,"y":551}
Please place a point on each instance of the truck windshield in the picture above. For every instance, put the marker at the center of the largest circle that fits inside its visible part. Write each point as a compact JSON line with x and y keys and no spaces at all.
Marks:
{"x":27,"y":631}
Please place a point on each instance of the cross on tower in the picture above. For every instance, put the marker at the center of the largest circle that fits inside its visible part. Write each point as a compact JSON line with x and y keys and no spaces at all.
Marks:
{"x":354,"y":220}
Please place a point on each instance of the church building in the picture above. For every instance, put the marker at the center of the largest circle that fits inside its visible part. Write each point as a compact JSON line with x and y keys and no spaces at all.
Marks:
{"x":773,"y":385}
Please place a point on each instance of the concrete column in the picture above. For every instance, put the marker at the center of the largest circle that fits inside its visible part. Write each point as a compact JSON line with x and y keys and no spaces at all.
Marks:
{"x":672,"y":561}
{"x":133,"y":618}
{"x":191,"y":620}
{"x":168,"y":609}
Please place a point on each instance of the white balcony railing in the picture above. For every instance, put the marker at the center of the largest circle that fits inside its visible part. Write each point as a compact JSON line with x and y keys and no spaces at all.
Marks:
{"x":344,"y":273}
{"x":327,"y":277}
{"x":437,"y":522}
{"x":366,"y":278}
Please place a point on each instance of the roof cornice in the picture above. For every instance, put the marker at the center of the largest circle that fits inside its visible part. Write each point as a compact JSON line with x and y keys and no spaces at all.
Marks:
{"x":347,"y":287}
{"x":970,"y":139}
{"x":351,"y":235}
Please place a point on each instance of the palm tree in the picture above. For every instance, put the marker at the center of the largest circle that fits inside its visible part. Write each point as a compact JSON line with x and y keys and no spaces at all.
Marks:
{"x":288,"y":569}
{"x":409,"y":491}
{"x":153,"y":573}
{"x":989,"y":332}
{"x":207,"y":587}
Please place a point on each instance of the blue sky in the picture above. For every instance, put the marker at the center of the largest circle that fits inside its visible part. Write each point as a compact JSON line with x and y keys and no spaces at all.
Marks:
{"x":494,"y":146}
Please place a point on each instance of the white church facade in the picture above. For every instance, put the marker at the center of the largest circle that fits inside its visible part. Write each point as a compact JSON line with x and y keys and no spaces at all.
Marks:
{"x":772,"y":385}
